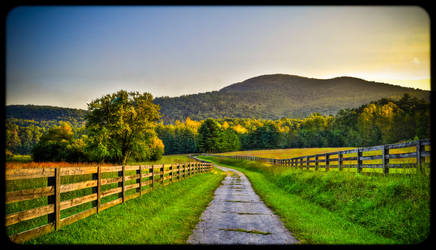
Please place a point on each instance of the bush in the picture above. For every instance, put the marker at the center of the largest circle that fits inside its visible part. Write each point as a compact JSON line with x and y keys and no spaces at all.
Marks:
{"x":9,"y":155}
{"x":58,"y":144}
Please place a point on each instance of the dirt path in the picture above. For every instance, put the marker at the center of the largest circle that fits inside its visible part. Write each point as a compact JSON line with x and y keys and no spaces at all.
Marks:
{"x":238,"y":216}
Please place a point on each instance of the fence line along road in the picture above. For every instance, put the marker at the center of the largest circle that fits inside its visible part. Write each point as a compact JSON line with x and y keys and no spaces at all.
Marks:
{"x":163,"y":173}
{"x":355,"y":159}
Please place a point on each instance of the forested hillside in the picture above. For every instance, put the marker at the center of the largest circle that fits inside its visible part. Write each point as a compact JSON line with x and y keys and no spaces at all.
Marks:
{"x":380,"y":122}
{"x":45,"y":113}
{"x":25,"y":124}
{"x":279,"y":95}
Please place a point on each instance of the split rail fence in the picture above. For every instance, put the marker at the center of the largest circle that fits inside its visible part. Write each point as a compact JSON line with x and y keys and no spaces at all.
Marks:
{"x":55,"y":178}
{"x":416,"y":153}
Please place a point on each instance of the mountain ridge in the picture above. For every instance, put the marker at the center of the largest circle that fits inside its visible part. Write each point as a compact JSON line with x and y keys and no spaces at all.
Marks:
{"x":265,"y":96}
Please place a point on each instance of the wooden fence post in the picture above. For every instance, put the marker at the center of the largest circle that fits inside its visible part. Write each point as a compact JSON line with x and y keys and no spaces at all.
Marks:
{"x":152,"y":176}
{"x":419,"y":168}
{"x":163,"y":174}
{"x":58,"y":198}
{"x":307,"y":162}
{"x":184,"y":170}
{"x":140,"y":180}
{"x":316,"y":162}
{"x":189,"y":169}
{"x":385,"y":161}
{"x":124,"y":183}
{"x":171,"y":172}
{"x":359,"y":161}
{"x":340,"y":156}
{"x":98,"y":188}
{"x":178,"y":172}
{"x":327,"y":163}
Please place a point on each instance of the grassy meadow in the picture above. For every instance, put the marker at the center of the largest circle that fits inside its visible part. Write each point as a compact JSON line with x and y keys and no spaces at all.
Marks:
{"x":340,"y":207}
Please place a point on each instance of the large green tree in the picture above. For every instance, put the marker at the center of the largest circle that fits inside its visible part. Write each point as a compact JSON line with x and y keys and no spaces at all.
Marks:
{"x":209,"y":138}
{"x":118,"y":124}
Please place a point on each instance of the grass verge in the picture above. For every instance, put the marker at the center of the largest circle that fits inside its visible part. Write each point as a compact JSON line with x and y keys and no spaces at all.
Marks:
{"x":166,"y":215}
{"x":342,"y":208}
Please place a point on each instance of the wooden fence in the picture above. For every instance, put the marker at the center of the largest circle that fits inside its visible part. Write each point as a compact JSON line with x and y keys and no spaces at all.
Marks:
{"x":355,"y":158}
{"x":145,"y":176}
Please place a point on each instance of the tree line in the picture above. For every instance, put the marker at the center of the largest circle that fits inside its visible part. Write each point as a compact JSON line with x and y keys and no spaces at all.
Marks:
{"x":124,"y":126}
{"x":380,"y":122}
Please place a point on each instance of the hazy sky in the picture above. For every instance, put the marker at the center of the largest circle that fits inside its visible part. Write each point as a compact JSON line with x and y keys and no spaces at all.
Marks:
{"x":68,"y":56}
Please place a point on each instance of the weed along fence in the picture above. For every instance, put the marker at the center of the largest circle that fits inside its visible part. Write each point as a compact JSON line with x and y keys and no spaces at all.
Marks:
{"x":413,"y":154}
{"x":46,"y":199}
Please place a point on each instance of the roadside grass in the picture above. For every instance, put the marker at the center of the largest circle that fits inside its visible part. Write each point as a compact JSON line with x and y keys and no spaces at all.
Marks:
{"x":167,"y":215}
{"x":343,"y":208}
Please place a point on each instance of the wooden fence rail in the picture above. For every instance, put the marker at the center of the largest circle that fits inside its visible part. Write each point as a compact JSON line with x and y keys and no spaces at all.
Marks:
{"x":355,"y":158}
{"x":144,"y":176}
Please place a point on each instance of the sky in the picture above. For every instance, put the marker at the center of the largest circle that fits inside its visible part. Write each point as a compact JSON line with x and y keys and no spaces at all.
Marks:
{"x":68,"y":56}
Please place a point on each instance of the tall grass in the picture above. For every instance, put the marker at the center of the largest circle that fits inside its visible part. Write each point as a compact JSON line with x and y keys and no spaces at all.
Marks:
{"x":393,"y":206}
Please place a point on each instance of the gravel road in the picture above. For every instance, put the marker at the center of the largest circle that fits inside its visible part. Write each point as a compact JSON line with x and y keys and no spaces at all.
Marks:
{"x":237,"y":215}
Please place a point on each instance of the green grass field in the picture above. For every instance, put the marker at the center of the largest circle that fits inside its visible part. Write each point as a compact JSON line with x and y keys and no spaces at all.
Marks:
{"x":166,"y":215}
{"x":343,"y":208}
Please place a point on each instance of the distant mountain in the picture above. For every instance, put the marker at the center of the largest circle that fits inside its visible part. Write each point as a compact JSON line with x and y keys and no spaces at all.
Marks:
{"x":266,"y":96}
{"x":280,"y":95}
{"x":44,"y":113}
